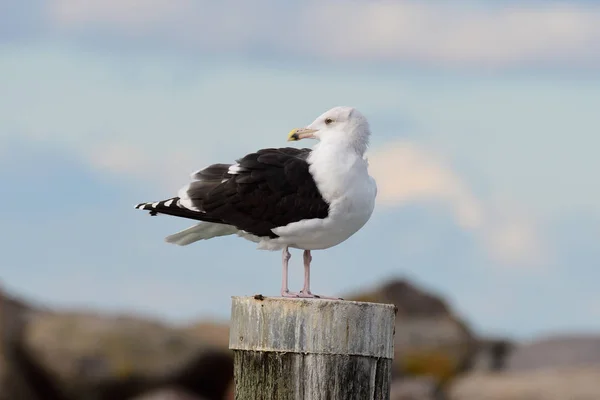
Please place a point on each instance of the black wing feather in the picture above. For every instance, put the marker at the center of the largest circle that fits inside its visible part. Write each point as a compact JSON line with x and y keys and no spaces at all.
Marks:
{"x":272,"y":188}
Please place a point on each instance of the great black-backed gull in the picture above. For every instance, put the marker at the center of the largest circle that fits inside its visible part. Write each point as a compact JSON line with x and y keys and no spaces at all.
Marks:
{"x":283,"y":198}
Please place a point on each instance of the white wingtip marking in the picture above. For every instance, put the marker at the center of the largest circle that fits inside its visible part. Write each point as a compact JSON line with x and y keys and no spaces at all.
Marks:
{"x":183,"y":192}
{"x":234,"y":169}
{"x":184,"y":199}
{"x":168,"y":203}
{"x":187,"y":203}
{"x":154,"y":205}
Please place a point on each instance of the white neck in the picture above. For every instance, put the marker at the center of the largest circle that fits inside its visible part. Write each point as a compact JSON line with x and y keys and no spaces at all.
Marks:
{"x":329,"y":163}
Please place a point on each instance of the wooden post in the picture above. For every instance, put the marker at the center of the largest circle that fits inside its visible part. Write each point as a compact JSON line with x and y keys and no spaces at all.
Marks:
{"x":311,"y":349}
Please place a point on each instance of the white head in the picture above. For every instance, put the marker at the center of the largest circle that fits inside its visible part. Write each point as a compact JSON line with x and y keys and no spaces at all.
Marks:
{"x":340,"y":125}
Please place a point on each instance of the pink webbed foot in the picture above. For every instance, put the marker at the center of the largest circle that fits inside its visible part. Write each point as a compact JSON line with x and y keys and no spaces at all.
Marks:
{"x":310,"y":295}
{"x":302,"y":295}
{"x":290,"y":295}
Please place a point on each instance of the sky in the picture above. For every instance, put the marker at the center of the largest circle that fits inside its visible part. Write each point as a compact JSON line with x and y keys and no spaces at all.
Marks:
{"x":484,"y":149}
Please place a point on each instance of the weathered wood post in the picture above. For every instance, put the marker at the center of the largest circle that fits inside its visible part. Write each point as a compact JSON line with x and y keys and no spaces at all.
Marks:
{"x":311,"y":349}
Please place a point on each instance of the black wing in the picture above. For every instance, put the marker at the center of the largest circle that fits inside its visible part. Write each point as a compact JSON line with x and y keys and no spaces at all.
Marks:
{"x":270,"y":188}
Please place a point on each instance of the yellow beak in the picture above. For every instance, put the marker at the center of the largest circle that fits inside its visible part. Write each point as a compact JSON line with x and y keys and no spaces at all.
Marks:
{"x":301,"y":133}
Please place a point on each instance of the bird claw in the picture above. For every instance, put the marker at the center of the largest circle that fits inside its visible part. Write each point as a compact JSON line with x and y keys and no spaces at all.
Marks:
{"x":307,"y":295}
{"x":290,"y":295}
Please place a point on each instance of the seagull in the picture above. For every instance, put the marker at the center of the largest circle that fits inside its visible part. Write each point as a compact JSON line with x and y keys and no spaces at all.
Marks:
{"x":282,"y":198}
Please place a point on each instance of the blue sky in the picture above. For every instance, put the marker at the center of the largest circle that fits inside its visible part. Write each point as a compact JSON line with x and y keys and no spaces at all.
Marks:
{"x":484,"y":149}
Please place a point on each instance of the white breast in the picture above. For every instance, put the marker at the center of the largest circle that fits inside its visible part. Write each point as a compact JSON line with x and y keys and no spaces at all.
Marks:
{"x":344,"y":182}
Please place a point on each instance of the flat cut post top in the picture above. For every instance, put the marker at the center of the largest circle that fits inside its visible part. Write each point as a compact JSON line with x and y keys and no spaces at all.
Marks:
{"x":312,"y":326}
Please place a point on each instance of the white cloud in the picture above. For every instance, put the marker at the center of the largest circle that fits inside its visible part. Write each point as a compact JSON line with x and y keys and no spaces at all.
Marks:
{"x":431,"y":33}
{"x":515,"y":241}
{"x":122,"y":158}
{"x":407,"y":173}
{"x":512,"y":235}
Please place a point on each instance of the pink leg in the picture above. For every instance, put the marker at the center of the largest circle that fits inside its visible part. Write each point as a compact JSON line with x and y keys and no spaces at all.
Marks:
{"x":307,"y":260}
{"x":306,"y":293}
{"x":285,"y":291}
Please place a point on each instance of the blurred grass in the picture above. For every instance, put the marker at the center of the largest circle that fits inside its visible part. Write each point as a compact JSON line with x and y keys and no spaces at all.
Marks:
{"x":433,"y":363}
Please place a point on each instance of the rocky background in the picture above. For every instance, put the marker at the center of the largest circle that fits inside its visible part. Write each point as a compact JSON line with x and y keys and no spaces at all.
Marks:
{"x":48,"y":354}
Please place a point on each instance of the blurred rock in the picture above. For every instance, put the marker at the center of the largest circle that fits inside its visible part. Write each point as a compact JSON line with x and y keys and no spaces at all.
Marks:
{"x":118,"y":356}
{"x":558,"y":384}
{"x":410,"y":300}
{"x":211,"y":333}
{"x":555,"y":352}
{"x":93,"y":346}
{"x":95,"y":356}
{"x":430,"y":340}
{"x":20,"y":376}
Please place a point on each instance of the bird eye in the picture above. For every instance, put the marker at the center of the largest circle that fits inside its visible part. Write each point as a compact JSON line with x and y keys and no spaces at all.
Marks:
{"x":328,"y":121}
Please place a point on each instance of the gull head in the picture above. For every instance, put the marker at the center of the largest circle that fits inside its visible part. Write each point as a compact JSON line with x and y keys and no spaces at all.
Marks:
{"x":339,"y":126}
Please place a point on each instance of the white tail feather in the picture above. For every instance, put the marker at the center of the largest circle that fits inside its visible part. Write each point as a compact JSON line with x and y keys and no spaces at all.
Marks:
{"x":201,"y":231}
